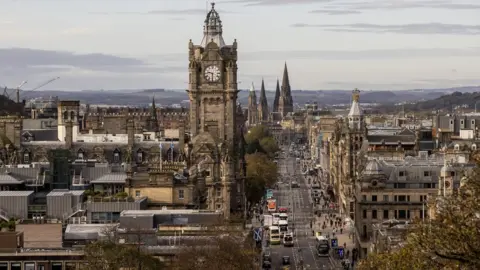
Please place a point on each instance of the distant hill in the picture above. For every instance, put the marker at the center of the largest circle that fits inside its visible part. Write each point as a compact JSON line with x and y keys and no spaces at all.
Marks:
{"x":448,"y":102}
{"x":141,"y":97}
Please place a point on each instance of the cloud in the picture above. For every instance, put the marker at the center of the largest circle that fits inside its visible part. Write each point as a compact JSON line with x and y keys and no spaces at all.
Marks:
{"x":6,"y":22}
{"x":340,"y":55}
{"x":426,"y":28}
{"x":276,"y":2}
{"x":176,"y":12}
{"x":334,"y":12}
{"x":356,"y":7}
{"x":76,"y":31}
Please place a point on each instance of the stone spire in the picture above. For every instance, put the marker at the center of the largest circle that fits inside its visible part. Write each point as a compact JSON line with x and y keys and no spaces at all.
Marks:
{"x":277,"y":97}
{"x":252,"y":107}
{"x":212,"y":30}
{"x":285,"y":104}
{"x":153,"y":121}
{"x":263,"y":104}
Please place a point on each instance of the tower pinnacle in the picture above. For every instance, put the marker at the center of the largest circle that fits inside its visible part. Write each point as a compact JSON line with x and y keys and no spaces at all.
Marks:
{"x":212,"y":30}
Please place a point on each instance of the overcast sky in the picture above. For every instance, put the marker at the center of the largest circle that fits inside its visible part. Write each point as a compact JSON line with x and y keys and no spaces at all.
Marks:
{"x":328,"y":44}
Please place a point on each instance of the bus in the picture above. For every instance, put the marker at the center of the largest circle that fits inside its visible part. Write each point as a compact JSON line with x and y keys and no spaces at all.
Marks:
{"x":283,"y":225}
{"x":283,"y":216}
{"x":322,"y":246}
{"x":274,"y":235}
{"x":288,"y":240}
{"x":272,"y":205}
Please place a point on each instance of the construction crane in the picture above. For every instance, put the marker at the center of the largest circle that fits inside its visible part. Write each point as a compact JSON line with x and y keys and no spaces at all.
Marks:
{"x":37,"y":87}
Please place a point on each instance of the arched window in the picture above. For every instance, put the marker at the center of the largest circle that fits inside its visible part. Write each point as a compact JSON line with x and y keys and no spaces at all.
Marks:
{"x":72,"y":115}
{"x":456,"y":147}
{"x":65,"y":115}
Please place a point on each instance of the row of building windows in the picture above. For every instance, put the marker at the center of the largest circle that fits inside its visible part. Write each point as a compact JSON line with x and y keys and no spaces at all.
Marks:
{"x":396,"y":198}
{"x":385,"y":214}
{"x":37,"y":266}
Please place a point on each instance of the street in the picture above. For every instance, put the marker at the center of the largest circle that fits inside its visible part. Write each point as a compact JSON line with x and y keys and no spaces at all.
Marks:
{"x":300,"y":216}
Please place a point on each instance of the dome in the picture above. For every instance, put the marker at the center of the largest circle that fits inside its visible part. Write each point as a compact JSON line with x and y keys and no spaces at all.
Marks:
{"x":373,"y":168}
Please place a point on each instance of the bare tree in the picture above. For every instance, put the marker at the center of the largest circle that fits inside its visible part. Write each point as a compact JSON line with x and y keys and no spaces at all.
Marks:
{"x":120,"y":249}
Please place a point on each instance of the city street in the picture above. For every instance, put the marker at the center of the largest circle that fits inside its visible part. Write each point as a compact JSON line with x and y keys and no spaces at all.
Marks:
{"x":300,"y":215}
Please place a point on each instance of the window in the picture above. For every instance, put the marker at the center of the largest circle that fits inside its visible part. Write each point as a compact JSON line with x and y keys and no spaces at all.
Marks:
{"x":137,"y":193}
{"x":408,"y":198}
{"x":423,"y":198}
{"x":374,"y":214}
{"x":399,"y":185}
{"x":26,"y":158}
{"x":452,"y":173}
{"x":239,"y":188}
{"x":402,"y":214}
{"x":57,"y":266}
{"x":374,"y":198}
{"x":427,"y":185}
{"x":385,"y":198}
{"x":364,"y":198}
{"x":70,"y":266}
{"x":16,"y":266}
{"x":364,"y":214}
{"x":385,"y":214}
{"x":139,"y":157}
{"x":219,"y":206}
{"x":427,"y":173}
{"x":80,"y":155}
{"x":401,"y":173}
{"x":181,"y":194}
{"x":3,"y":266}
{"x":218,"y":192}
{"x":116,"y":157}
{"x":401,"y":198}
{"x":146,"y":137}
{"x":29,"y":266}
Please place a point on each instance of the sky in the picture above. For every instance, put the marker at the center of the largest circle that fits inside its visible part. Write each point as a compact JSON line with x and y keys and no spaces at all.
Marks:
{"x":327,"y":44}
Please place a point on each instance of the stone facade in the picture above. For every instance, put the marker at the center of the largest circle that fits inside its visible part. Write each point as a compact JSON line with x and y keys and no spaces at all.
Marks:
{"x":215,"y":153}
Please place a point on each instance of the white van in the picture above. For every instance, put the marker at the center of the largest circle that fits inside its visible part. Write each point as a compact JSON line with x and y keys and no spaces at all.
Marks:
{"x":288,"y":240}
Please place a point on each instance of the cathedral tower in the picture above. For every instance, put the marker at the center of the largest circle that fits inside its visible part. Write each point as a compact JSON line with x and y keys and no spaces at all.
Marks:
{"x":212,"y":90}
{"x":252,"y":107}
{"x":263,"y":105}
{"x":285,"y":103}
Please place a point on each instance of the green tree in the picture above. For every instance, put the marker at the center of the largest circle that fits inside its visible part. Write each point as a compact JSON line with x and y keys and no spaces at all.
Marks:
{"x":449,"y":240}
{"x":269,"y":145}
{"x":257,"y":133}
{"x":232,"y":251}
{"x":261,"y":173}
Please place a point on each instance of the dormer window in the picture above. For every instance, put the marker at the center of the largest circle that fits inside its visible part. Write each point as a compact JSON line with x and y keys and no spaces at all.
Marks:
{"x":26,"y":158}
{"x":456,"y":147}
{"x":116,"y":157}
{"x":401,"y":173}
{"x":474,"y":147}
{"x":139,"y":157}
{"x":80,"y":155}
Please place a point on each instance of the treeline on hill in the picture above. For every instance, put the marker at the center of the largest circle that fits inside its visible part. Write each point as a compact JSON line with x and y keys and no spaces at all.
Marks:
{"x":9,"y":107}
{"x":447,"y":102}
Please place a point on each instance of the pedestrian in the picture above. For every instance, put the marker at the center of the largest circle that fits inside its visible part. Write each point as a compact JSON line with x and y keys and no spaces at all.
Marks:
{"x":345,"y":245}
{"x":341,"y":230}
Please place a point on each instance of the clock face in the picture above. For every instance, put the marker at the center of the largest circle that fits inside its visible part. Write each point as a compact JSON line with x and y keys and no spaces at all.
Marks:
{"x":212,"y":73}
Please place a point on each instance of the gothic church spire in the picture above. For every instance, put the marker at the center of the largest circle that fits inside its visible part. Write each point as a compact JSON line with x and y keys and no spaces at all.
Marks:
{"x":277,"y":97}
{"x":263,"y":104}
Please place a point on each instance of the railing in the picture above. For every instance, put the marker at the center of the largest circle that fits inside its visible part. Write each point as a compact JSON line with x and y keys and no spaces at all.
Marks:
{"x":76,"y":209}
{"x":37,"y":208}
{"x":4,"y":215}
{"x":110,"y":199}
{"x":38,"y":182}
{"x":79,"y":181}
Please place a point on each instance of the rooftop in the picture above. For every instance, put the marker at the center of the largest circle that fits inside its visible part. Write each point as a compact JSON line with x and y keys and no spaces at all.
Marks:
{"x":16,"y":193}
{"x":63,"y":192}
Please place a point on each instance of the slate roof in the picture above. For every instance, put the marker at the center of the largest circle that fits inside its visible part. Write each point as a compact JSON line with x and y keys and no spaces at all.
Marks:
{"x":117,"y":177}
{"x":7,"y":179}
{"x":62,"y":192}
{"x":16,"y":193}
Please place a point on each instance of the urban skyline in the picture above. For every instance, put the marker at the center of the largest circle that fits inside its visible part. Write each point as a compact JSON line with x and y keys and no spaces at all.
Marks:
{"x":334,"y":44}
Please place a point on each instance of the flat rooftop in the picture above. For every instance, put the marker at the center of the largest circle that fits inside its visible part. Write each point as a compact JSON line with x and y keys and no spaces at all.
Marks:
{"x":165,"y":212}
{"x":88,"y":228}
{"x":41,"y":235}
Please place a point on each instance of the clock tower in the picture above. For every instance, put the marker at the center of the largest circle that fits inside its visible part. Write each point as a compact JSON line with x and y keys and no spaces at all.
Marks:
{"x":212,"y":90}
